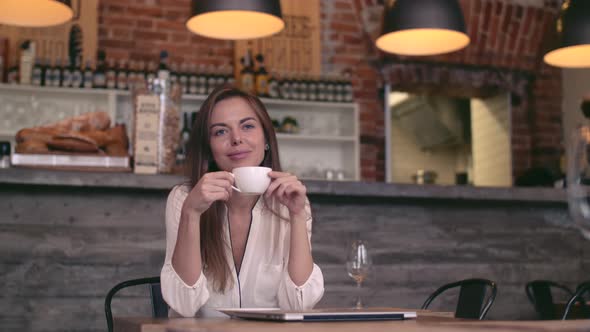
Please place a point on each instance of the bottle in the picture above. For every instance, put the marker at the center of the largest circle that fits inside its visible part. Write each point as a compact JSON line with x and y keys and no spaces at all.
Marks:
{"x":231,"y":78}
{"x":348,"y":96}
{"x":211,"y":79}
{"x":193,"y":80}
{"x":183,"y":77}
{"x":150,"y":72}
{"x":12,"y":77}
{"x":99,"y":77}
{"x":141,"y":73}
{"x":330,"y":89}
{"x":247,"y":83}
{"x":312,"y":89}
{"x":193,"y":118}
{"x":27,"y":57}
{"x":56,"y":73}
{"x":45,"y":71}
{"x":261,"y":77}
{"x":49,"y":70}
{"x":185,"y":134}
{"x":122,"y":76}
{"x":77,"y":76}
{"x":339,"y":90}
{"x":296,"y":88}
{"x":285,"y":86}
{"x":273,"y":86}
{"x":304,"y":88}
{"x":111,"y":75}
{"x":173,"y":74}
{"x":67,"y":72}
{"x":321,"y":94}
{"x":163,"y":68}
{"x":2,"y":68}
{"x":88,"y":75}
{"x":220,"y":76}
{"x":37,"y":78}
{"x":201,"y":80}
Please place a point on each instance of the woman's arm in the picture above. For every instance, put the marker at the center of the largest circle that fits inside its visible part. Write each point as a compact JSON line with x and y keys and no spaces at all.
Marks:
{"x":300,"y":259}
{"x":289,"y":191}
{"x":186,"y":259}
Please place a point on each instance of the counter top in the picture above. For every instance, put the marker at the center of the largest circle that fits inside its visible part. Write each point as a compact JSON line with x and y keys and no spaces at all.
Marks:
{"x":35,"y":177}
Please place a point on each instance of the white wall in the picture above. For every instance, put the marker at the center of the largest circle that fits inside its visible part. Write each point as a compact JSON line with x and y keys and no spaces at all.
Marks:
{"x":490,"y":140}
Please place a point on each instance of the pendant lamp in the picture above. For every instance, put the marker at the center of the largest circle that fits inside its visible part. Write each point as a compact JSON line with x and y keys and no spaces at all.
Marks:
{"x":573,"y":30}
{"x":35,"y":13}
{"x":423,"y":27}
{"x":236,"y":19}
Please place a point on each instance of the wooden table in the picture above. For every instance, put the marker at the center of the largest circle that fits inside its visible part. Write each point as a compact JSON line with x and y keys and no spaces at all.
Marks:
{"x":426,"y":322}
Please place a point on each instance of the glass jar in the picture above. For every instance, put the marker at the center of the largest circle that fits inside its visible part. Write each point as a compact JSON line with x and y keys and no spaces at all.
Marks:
{"x":4,"y":154}
{"x":156,"y":105}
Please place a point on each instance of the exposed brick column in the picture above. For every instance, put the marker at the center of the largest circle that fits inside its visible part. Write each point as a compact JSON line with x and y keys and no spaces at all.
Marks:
{"x":347,"y":48}
{"x":547,"y":134}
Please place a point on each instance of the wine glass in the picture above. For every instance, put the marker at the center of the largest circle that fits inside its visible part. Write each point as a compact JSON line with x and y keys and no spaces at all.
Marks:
{"x":358,"y":263}
{"x":578,"y":179}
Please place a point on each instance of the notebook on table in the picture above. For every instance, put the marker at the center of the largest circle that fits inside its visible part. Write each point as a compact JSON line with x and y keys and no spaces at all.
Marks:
{"x":317,"y":315}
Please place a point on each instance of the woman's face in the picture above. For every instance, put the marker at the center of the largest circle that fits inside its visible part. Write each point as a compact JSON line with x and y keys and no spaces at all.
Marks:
{"x":235,"y":135}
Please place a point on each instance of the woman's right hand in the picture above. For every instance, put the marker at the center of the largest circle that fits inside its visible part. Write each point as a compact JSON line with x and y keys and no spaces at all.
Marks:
{"x":214,"y":186}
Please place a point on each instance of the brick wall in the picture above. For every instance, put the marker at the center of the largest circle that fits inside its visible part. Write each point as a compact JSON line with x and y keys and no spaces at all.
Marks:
{"x":139,"y":29}
{"x":506,"y":34}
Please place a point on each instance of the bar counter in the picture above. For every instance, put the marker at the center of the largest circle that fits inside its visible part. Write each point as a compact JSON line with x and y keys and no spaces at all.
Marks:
{"x":68,"y":237}
{"x":23,"y":176}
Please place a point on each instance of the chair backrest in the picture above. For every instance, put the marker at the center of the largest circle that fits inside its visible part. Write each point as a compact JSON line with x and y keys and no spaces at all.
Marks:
{"x":472,"y":294}
{"x":578,"y":297}
{"x":159,"y":306}
{"x":540,"y":294}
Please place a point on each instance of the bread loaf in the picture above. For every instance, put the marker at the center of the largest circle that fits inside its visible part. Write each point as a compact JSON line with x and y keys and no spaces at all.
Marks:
{"x":87,"y":133}
{"x":84,"y":122}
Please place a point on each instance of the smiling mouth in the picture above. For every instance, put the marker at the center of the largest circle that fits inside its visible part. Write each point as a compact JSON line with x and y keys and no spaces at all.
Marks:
{"x":238,"y":155}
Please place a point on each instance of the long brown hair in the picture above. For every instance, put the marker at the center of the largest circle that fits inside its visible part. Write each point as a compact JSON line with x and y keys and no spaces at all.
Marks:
{"x":200,"y":161}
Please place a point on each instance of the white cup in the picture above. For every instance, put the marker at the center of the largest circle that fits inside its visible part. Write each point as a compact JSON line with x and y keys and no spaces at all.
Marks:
{"x":252,"y":180}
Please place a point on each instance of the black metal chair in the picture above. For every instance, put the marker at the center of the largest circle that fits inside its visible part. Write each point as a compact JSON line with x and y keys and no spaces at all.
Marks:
{"x":471,"y":297}
{"x":159,"y":306}
{"x":539,"y":292}
{"x":578,"y":296}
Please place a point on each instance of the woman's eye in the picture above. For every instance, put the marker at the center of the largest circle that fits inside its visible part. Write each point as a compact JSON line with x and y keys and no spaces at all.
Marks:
{"x":219,"y":132}
{"x":248,"y":126}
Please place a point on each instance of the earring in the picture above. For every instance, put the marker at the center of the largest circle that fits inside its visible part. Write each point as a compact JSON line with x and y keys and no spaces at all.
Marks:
{"x":267,"y":147}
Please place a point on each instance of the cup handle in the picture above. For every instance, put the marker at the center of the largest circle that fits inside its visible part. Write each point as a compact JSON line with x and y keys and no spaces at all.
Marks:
{"x":234,"y":188}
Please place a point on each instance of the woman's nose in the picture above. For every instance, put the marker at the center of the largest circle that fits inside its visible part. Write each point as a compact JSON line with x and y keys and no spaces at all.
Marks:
{"x":236,"y":139}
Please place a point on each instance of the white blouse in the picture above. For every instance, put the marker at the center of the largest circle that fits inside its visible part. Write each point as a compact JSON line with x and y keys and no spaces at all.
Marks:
{"x":263,"y":281}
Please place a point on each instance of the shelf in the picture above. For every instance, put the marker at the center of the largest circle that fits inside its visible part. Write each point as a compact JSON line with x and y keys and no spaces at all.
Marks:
{"x":53,"y":103}
{"x":56,"y":90}
{"x":300,"y":103}
{"x":298,"y":137}
{"x":189,"y":97}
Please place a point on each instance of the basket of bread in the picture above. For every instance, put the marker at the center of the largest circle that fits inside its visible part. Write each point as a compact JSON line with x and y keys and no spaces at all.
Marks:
{"x":84,"y":142}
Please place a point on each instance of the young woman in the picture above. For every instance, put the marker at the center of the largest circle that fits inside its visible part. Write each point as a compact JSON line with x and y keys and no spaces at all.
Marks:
{"x":224,"y":249}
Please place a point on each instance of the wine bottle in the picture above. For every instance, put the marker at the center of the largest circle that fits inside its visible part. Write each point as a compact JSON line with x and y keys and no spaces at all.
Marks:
{"x":122,"y":75}
{"x":99,"y":77}
{"x":77,"y":76}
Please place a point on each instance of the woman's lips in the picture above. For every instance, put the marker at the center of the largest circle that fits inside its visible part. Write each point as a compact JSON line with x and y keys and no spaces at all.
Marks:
{"x":238,"y":155}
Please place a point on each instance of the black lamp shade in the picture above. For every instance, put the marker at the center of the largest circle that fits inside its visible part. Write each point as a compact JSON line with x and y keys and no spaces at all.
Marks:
{"x":423,"y":27}
{"x":573,"y":30}
{"x":235,"y":19}
{"x":35,"y":13}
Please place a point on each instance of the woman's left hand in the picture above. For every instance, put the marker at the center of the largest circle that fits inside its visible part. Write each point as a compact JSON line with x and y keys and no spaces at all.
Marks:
{"x":288,"y":190}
